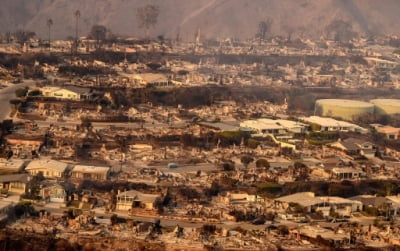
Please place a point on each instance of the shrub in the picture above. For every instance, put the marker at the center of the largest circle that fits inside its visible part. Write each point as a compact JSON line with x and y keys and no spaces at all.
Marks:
{"x":208,"y":229}
{"x":114,"y":219}
{"x":35,"y":93}
{"x":246,"y":160}
{"x":371,"y":211}
{"x":283,"y":230}
{"x":270,"y":187}
{"x":24,"y":208}
{"x":228,"y":166}
{"x":252,"y":143}
{"x":262,"y":163}
{"x":21,"y":92}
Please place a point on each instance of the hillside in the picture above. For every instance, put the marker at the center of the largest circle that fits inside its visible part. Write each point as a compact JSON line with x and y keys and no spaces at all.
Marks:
{"x":215,"y":18}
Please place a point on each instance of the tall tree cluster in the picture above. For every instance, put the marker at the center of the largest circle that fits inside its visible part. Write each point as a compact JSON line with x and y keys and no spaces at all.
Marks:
{"x":264,"y":27}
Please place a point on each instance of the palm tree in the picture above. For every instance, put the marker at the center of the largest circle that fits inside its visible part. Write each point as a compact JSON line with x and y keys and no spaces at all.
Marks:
{"x":77,"y":15}
{"x":49,"y":23}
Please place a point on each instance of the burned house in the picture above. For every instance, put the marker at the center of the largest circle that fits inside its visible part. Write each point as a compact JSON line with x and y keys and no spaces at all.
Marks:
{"x":90,"y":172}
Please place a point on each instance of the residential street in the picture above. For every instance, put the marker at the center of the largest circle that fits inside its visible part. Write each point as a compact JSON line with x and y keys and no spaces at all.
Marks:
{"x":7,"y":94}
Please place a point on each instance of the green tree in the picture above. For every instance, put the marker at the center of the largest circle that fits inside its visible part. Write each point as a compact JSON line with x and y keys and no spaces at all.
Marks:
{"x":21,"y":92}
{"x":208,"y":229}
{"x":98,"y":33}
{"x":283,"y":230}
{"x":302,"y":171}
{"x":35,"y":93}
{"x":315,"y":127}
{"x":15,"y":102}
{"x":24,"y":209}
{"x":262,"y":163}
{"x":114,"y":219}
{"x":252,"y":143}
{"x":34,"y":186}
{"x":228,"y":166}
{"x":246,"y":160}
{"x":232,"y":137}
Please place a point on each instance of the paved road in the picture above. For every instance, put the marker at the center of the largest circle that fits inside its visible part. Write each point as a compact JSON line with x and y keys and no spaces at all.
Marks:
{"x":8,"y":93}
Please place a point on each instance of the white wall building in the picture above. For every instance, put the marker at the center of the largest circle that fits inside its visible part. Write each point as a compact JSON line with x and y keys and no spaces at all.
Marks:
{"x":333,"y":125}
{"x":270,"y":126}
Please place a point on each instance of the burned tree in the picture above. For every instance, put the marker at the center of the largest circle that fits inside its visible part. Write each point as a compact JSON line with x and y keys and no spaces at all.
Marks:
{"x":342,"y":31}
{"x":77,"y":15}
{"x":98,"y":33}
{"x":49,"y":24}
{"x":246,"y":160}
{"x":263,"y":29}
{"x":23,"y":36}
{"x":147,"y":17}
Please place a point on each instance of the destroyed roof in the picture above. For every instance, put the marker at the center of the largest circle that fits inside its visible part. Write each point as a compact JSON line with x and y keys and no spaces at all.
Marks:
{"x":152,"y":77}
{"x":315,"y":231}
{"x":346,"y":170}
{"x":138,"y":196}
{"x":222,"y":126}
{"x":349,"y":145}
{"x":24,"y":137}
{"x":90,"y":169}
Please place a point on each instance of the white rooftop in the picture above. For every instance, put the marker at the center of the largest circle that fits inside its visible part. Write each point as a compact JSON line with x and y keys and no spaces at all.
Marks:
{"x":11,"y":164}
{"x":265,"y":123}
{"x":261,"y":124}
{"x":329,"y":122}
{"x":47,"y":164}
{"x":304,"y":199}
{"x":314,"y":231}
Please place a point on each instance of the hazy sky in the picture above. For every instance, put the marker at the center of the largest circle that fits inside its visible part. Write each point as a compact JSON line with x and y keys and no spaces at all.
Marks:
{"x":215,"y":18}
